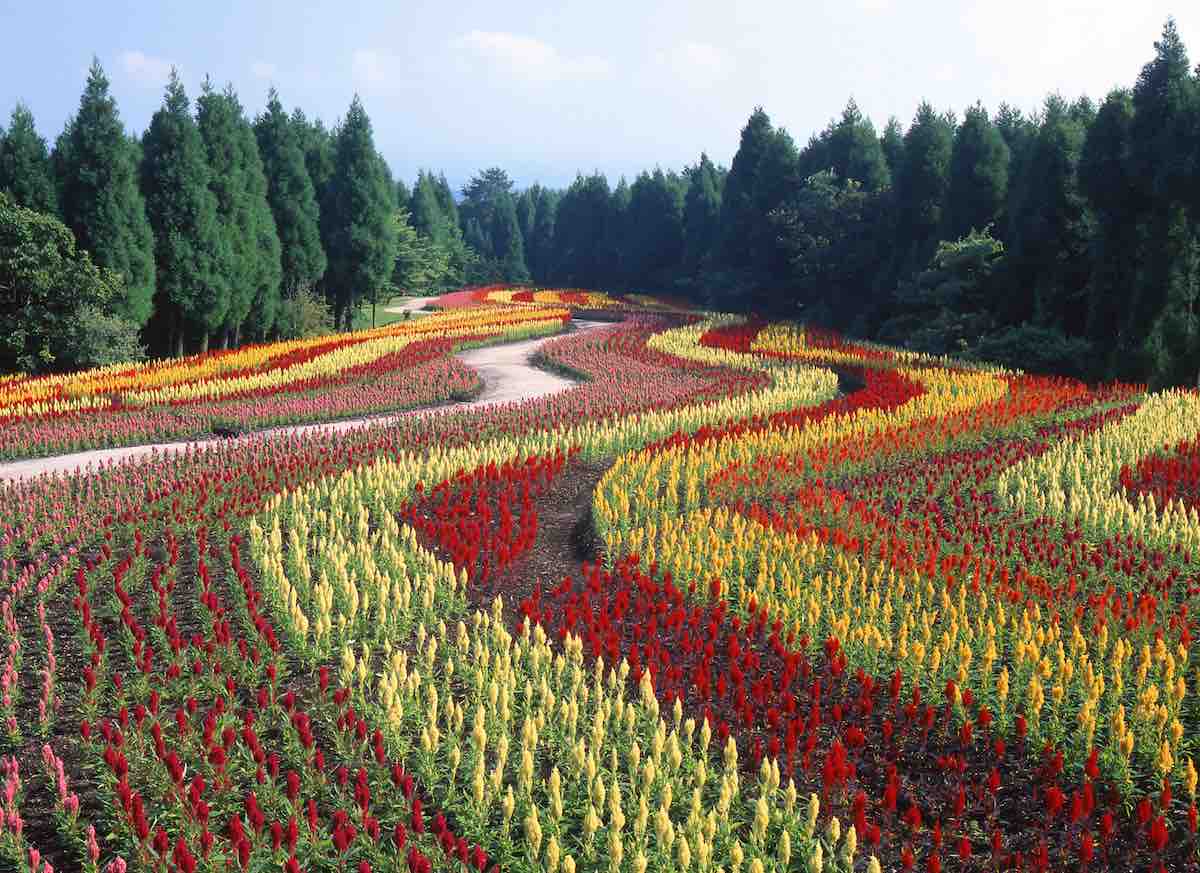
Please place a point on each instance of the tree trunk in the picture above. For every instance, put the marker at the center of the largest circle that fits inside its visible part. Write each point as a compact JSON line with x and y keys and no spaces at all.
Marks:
{"x":204,"y":342}
{"x":372,"y":314}
{"x":178,"y":342}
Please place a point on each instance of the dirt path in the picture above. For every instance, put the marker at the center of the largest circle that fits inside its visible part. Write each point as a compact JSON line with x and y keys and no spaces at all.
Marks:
{"x":409,"y":305}
{"x":506,"y":372}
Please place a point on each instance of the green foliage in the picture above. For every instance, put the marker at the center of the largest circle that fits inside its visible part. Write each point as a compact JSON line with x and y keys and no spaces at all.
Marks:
{"x":1106,"y":179}
{"x":304,"y":314}
{"x":1036,"y":349}
{"x":357,"y":223}
{"x":654,"y":228}
{"x":978,"y":175}
{"x":581,"y":223}
{"x":96,"y":171}
{"x":292,"y":198}
{"x":892,"y":143}
{"x":829,"y":228}
{"x":421,"y":263}
{"x":192,"y":254}
{"x":25,"y":172}
{"x":701,"y":214}
{"x":945,"y":308}
{"x":53,"y":300}
{"x":921,"y":187}
{"x":491,"y":227}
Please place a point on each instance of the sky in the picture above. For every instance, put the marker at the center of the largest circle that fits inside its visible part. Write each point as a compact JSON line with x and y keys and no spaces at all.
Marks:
{"x":547,"y":90}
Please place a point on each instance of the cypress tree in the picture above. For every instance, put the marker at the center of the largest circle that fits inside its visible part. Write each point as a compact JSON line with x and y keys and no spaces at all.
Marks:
{"x":357,"y":218}
{"x":426,"y":212}
{"x":217,"y":119}
{"x":508,"y":243}
{"x":541,"y":242}
{"x":701,"y":214}
{"x":190,"y":248}
{"x":611,"y":266}
{"x":318,"y":145}
{"x":921,"y":187}
{"x":96,"y":169}
{"x":978,"y":175}
{"x":580,"y":227}
{"x":445,"y":198}
{"x":855,"y":151}
{"x":1107,"y":180}
{"x":1162,"y":316}
{"x":267,"y":276}
{"x":655,"y":230}
{"x":291,"y":197}
{"x":892,"y":143}
{"x":1050,"y":232}
{"x":739,"y":217}
{"x":25,"y":172}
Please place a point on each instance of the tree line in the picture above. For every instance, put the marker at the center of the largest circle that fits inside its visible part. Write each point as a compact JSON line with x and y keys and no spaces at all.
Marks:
{"x":1064,"y":240}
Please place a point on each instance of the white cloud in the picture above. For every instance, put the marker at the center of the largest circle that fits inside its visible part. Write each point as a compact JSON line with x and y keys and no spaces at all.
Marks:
{"x":146,"y":69}
{"x":529,"y":58}
{"x":263,"y":70}
{"x":699,"y":63}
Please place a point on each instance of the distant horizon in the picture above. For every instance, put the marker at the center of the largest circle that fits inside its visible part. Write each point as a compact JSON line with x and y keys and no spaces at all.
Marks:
{"x":567,"y":94}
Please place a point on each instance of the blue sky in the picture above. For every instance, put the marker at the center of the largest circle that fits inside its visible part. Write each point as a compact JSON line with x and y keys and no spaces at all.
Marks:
{"x":548,"y":89}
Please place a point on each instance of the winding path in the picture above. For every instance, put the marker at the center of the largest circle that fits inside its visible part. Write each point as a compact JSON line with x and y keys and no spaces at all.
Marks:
{"x":506,"y":371}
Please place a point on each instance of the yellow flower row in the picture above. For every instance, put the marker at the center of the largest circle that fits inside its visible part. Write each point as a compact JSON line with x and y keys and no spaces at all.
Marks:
{"x":144,"y":384}
{"x":1079,"y":478}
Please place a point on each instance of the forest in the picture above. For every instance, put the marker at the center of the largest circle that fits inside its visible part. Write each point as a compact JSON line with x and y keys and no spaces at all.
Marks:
{"x":1063,"y":240}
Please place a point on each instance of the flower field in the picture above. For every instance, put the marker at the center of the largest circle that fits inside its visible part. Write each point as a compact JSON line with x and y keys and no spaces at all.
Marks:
{"x":402,"y":365}
{"x":749,"y":597}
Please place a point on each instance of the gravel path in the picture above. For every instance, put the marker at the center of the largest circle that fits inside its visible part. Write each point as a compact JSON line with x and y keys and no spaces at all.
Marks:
{"x":506,"y":372}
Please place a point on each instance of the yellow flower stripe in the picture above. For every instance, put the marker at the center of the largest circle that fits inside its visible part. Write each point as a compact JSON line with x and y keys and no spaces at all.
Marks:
{"x":142,"y":383}
{"x":1079,"y":478}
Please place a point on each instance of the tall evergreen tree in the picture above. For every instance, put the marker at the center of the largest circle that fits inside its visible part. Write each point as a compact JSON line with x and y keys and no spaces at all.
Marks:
{"x":1050,"y":229}
{"x":357,"y":218}
{"x":217,"y":118}
{"x":921,"y":188}
{"x":541,"y":242}
{"x":855,"y":151}
{"x":580,"y":228}
{"x":318,"y":145}
{"x":426,"y":210}
{"x":96,"y":169}
{"x":655,"y":230}
{"x":190,"y":248}
{"x":739,"y":217}
{"x":978,"y":175}
{"x":701,"y":214}
{"x":526,"y":210}
{"x":1107,"y":180}
{"x":267,"y":276}
{"x":1163,"y":318}
{"x":892,"y":143}
{"x":25,"y":171}
{"x":446,"y":199}
{"x":490,"y":216}
{"x":292,"y":198}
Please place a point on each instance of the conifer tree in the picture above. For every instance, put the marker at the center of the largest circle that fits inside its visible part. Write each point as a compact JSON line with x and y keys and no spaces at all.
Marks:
{"x":25,"y":172}
{"x":701,"y":213}
{"x":357,"y":218}
{"x":292,"y":198}
{"x":978,"y":175}
{"x":190,"y":248}
{"x":96,"y":169}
